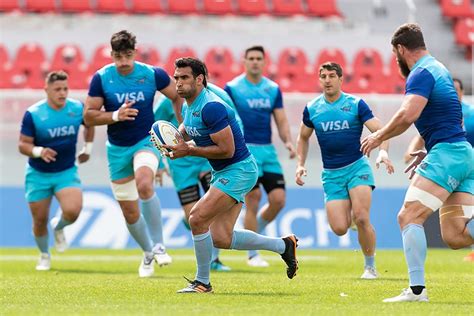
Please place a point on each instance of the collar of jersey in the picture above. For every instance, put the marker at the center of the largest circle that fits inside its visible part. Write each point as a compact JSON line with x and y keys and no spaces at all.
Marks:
{"x":421,"y":60}
{"x":199,"y":97}
{"x":129,"y":74}
{"x":341,"y":97}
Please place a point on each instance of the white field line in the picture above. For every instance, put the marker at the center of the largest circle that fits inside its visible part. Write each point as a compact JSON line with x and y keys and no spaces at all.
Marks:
{"x":92,"y":258}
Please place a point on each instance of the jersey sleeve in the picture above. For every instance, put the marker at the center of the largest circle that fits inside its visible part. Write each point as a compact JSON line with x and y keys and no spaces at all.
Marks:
{"x":278,"y":100}
{"x":229,"y":92}
{"x":27,"y":125}
{"x":214,"y":116}
{"x":162,"y":79}
{"x":306,"y":118}
{"x":420,"y":82}
{"x":95,"y":87}
{"x":364,"y":112}
{"x":163,"y":109}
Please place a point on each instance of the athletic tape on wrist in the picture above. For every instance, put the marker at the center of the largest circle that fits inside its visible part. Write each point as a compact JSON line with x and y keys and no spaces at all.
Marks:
{"x":36,"y":151}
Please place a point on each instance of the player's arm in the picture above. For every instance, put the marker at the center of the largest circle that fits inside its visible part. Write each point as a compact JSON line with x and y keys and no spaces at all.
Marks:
{"x":283,"y":127}
{"x":374,"y":125}
{"x":302,"y":147}
{"x":224,"y":147}
{"x":26,"y":144}
{"x":416,"y":144}
{"x":85,"y":153}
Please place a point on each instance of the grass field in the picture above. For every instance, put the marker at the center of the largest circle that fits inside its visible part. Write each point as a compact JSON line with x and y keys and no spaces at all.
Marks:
{"x":106,"y":282}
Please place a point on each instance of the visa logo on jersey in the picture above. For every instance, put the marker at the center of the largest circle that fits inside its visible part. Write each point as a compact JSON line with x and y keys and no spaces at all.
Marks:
{"x":261,"y":103}
{"x":335,"y":125}
{"x":130,"y":96}
{"x":192,"y":131}
{"x":61,"y":131}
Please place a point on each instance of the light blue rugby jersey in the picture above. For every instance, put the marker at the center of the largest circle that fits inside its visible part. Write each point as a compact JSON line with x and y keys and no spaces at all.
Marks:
{"x":441,"y":119}
{"x":207,"y":115}
{"x":338,"y":127}
{"x":56,"y":129}
{"x":139,"y":86}
{"x":255,"y":104}
{"x":468,"y":116}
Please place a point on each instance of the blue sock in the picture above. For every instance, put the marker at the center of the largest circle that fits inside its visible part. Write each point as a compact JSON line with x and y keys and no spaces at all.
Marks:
{"x":369,"y":261}
{"x":261,"y":224}
{"x":152,"y":213}
{"x":470,"y":227}
{"x":414,"y":247}
{"x":215,"y":253}
{"x":203,"y":250}
{"x":62,"y":223}
{"x":139,"y":232}
{"x":42,"y":242}
{"x":243,"y":239}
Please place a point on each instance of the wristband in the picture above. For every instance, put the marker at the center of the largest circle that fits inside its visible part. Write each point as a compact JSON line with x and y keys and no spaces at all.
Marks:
{"x":383,"y":153}
{"x":36,"y":151}
{"x":115,"y":116}
{"x":88,"y":148}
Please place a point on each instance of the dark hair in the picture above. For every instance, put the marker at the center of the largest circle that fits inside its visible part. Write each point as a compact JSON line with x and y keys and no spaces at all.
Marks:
{"x":410,"y":36}
{"x":123,"y":41}
{"x":460,"y":83}
{"x":258,"y":48}
{"x":56,"y":76}
{"x":197,"y":67}
{"x":331,"y":66}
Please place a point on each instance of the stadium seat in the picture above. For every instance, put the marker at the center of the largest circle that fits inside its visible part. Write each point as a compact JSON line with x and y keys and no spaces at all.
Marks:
{"x":175,"y":53}
{"x":111,"y":6}
{"x":100,"y":58}
{"x":149,"y":55}
{"x":9,"y":5}
{"x":287,"y":7}
{"x":331,"y":54}
{"x":294,"y":72}
{"x":464,"y":32}
{"x":40,"y":5}
{"x":5,"y":68}
{"x":220,"y":65}
{"x":30,"y":66}
{"x":368,"y":62}
{"x":76,"y":6}
{"x":323,"y":8}
{"x":218,"y":6}
{"x":457,"y":8}
{"x":252,"y":7}
{"x":70,"y":59}
{"x":182,"y":6}
{"x":146,"y":6}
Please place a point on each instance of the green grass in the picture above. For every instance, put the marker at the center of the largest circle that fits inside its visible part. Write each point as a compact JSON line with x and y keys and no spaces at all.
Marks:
{"x":106,"y":282}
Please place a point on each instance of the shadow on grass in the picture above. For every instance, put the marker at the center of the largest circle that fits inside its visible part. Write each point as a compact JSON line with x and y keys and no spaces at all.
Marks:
{"x":279,"y":294}
{"x":107,"y":272}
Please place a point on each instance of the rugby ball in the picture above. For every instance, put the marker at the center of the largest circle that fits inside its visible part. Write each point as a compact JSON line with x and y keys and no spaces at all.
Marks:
{"x":163,"y":133}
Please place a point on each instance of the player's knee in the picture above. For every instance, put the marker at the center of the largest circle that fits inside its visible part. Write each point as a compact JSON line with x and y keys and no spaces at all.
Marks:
{"x":278,"y":202}
{"x":339,"y":230}
{"x":131,"y":215}
{"x":40,"y":223}
{"x":362,"y":220}
{"x":196,"y":222}
{"x":145,"y":189}
{"x":453,"y":241}
{"x":221,"y":239}
{"x":254,"y":195}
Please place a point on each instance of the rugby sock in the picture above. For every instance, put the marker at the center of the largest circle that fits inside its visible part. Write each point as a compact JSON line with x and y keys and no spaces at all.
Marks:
{"x":414,"y":247}
{"x":151,"y":210}
{"x":215,"y":253}
{"x":369,"y":261}
{"x":139,"y":232}
{"x":62,"y":223}
{"x":42,"y":242}
{"x":243,"y":239}
{"x":203,"y":250}
{"x":470,"y":227}
{"x":261,"y":224}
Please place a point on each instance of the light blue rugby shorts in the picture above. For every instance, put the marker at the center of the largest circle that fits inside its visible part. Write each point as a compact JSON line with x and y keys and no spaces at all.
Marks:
{"x":266,"y":158}
{"x":185,"y":171}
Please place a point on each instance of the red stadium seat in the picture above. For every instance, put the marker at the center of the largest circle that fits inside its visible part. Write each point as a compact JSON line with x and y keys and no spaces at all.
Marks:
{"x":457,"y":8}
{"x":294,"y":72}
{"x":5,"y":69}
{"x":218,"y":7}
{"x":331,"y":54}
{"x":146,"y":6}
{"x":76,"y":5}
{"x":287,"y":7}
{"x":324,"y":8}
{"x":100,"y":58}
{"x":70,"y":59}
{"x":30,"y":66}
{"x":182,"y":6}
{"x":368,"y":62}
{"x":175,"y":53}
{"x":220,"y":65}
{"x":40,"y":5}
{"x":111,"y":6}
{"x":9,"y":5}
{"x":148,"y":54}
{"x":252,"y":7}
{"x":464,"y":32}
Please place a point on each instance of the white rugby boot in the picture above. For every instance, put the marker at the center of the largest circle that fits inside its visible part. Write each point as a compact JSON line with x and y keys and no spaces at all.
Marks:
{"x":44,"y":262}
{"x":147,"y":268}
{"x":407,"y":295}
{"x":257,"y":262}
{"x":161,"y":257}
{"x":369,"y":273}
{"x":59,"y":237}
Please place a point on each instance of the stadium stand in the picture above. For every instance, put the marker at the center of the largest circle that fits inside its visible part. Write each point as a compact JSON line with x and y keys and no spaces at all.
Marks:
{"x":252,"y":7}
{"x":29,"y":67}
{"x":323,"y":8}
{"x":457,"y":8}
{"x":218,"y":7}
{"x":182,"y":6}
{"x":146,"y":6}
{"x":111,"y":6}
{"x":287,"y":7}
{"x":9,"y":5}
{"x":175,"y":53}
{"x":76,"y":6}
{"x":100,"y":58}
{"x":40,"y":5}
{"x":148,"y":54}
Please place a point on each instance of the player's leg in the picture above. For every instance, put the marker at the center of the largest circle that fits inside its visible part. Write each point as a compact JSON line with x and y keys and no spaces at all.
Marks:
{"x":339,"y":215}
{"x":70,"y":201}
{"x":456,"y":220}
{"x":252,"y":202}
{"x":40,"y":212}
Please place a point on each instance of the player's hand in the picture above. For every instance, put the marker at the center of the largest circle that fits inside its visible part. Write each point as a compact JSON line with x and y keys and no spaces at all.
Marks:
{"x":83,"y":157}
{"x":179,"y":150}
{"x":160,"y":174}
{"x":382,"y":158}
{"x":48,"y":155}
{"x":291,"y":149}
{"x":300,"y":173}
{"x":370,"y":143}
{"x":419,"y":156}
{"x":126,"y":112}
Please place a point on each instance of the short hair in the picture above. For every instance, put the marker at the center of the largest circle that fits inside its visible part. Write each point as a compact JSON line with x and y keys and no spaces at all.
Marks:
{"x":123,"y":41}
{"x":258,"y":48}
{"x":410,"y":36}
{"x":331,"y":66}
{"x":460,"y":83}
{"x":196,"y":65}
{"x":56,"y":76}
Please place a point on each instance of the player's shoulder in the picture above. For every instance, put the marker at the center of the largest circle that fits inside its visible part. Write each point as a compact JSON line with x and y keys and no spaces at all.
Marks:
{"x":107,"y":69}
{"x":316,"y":102}
{"x":38,"y":106}
{"x":350,"y":98}
{"x":269,"y":83}
{"x":236,"y":81}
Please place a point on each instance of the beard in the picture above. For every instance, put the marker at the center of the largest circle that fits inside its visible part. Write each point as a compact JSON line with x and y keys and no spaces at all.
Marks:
{"x":403,"y":66}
